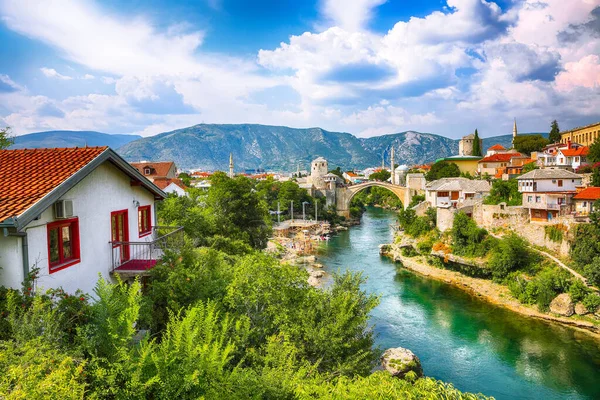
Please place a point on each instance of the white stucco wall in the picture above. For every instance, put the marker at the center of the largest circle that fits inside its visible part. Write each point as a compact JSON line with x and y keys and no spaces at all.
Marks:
{"x":105,"y":190}
{"x":173,"y":188}
{"x":11,"y":261}
{"x":546,"y":185}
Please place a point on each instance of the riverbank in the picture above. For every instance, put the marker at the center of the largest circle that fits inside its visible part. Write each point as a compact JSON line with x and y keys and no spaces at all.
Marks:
{"x":485,"y":289}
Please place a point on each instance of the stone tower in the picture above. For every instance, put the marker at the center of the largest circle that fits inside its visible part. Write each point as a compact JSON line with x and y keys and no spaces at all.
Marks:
{"x":231,"y":165}
{"x":465,"y":146}
{"x":318,"y":169}
{"x":515,"y":132}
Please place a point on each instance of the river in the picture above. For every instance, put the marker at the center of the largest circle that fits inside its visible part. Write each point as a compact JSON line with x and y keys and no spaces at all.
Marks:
{"x":476,"y":346}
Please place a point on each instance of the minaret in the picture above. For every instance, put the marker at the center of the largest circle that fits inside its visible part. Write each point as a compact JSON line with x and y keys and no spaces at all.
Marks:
{"x":231,"y":165}
{"x":515,"y":132}
{"x":392,"y":169}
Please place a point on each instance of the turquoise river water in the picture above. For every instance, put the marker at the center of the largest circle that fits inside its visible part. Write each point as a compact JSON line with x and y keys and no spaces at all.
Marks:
{"x":476,"y":346}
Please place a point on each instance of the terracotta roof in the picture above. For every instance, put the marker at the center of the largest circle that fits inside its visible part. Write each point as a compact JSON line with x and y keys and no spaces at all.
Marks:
{"x":497,"y":147}
{"x":27,"y":175}
{"x":159,"y":168}
{"x":591,"y":193}
{"x":581,"y":151}
{"x":162,"y":183}
{"x":351,"y":174}
{"x":500,"y":157}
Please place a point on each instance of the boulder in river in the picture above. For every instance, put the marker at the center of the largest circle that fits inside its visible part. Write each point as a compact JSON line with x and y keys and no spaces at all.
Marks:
{"x":562,"y":305}
{"x":399,"y":361}
{"x":580,"y":309}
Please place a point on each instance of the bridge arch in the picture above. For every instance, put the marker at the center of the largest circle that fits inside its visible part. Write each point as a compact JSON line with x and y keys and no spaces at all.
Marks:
{"x":345,"y":195}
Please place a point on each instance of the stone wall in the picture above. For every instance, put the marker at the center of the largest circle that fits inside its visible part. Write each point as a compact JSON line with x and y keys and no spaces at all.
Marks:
{"x":495,"y":216}
{"x":445,"y":218}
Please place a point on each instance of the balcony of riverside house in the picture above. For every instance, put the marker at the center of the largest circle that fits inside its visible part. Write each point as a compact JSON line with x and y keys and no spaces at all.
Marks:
{"x":137,"y":258}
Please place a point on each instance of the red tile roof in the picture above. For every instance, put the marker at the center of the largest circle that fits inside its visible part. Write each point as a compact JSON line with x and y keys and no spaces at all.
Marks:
{"x":591,"y":193}
{"x":159,"y":168}
{"x":497,"y":147}
{"x":500,"y":157}
{"x":581,"y":151}
{"x":27,"y":175}
{"x":162,"y":183}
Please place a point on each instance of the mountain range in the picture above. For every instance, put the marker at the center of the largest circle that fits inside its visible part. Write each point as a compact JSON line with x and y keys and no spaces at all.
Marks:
{"x":71,"y":139}
{"x":207,"y":146}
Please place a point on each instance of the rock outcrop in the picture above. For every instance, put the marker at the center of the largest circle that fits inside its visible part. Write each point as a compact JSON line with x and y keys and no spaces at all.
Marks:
{"x":399,"y":361}
{"x":562,"y":305}
{"x":580,"y":309}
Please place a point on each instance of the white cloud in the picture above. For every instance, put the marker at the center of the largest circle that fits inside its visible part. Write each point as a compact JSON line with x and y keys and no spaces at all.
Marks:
{"x":88,"y":77}
{"x":52,"y":73}
{"x":349,"y":15}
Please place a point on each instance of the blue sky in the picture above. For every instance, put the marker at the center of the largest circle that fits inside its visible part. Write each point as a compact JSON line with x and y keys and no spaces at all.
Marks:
{"x":368,"y":67}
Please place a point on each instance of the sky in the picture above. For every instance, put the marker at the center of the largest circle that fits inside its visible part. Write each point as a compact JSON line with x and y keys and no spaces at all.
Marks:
{"x":368,"y":67}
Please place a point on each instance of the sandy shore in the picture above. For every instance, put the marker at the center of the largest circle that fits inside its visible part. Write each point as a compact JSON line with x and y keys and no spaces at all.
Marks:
{"x":489,"y":291}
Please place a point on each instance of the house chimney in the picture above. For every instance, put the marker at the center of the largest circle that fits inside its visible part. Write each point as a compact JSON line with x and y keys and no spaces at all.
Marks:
{"x":569,"y":144}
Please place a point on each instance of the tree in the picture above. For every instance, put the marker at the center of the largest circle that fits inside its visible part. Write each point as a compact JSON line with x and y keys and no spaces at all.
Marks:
{"x":6,"y":139}
{"x":504,"y":192}
{"x":443,"y":169}
{"x":476,"y":145}
{"x":594,"y":152}
{"x":528,"y":143}
{"x":185,"y":178}
{"x":338,"y":172}
{"x":382,"y":175}
{"x":529,"y":167}
{"x":554,"y":133}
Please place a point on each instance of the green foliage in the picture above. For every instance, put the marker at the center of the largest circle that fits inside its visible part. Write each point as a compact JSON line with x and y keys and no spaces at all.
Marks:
{"x":594,"y":152}
{"x":578,"y":290}
{"x":554,"y":232}
{"x":592,"y":302}
{"x":476,"y":145}
{"x":528,"y":143}
{"x":381,"y":385}
{"x":37,"y":370}
{"x":185,"y":178}
{"x":376,"y":196}
{"x":592,"y":271}
{"x":509,"y":255}
{"x":467,"y":238}
{"x":554,"y":135}
{"x":416,"y":199}
{"x":542,"y":289}
{"x":382,"y":175}
{"x":596,"y":177}
{"x":584,"y":246}
{"x":504,"y":192}
{"x":338,"y":171}
{"x":6,"y":139}
{"x":529,"y":167}
{"x":413,"y":225}
{"x":442,"y":169}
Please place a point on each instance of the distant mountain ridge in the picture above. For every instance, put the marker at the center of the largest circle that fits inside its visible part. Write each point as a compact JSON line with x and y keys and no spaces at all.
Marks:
{"x":207,"y":146}
{"x":71,"y":139}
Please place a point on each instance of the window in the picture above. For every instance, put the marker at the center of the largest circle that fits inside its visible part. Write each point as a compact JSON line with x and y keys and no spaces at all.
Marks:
{"x":144,"y":220}
{"x":560,"y":183}
{"x":147,"y":171}
{"x":538,"y":199}
{"x":529,"y":199}
{"x":63,"y":244}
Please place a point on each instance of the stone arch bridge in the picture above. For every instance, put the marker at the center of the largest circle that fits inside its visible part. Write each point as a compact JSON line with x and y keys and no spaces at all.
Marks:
{"x":344,"y":195}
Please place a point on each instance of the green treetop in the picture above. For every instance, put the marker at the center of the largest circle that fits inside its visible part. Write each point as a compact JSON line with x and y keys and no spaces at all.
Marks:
{"x":6,"y":139}
{"x":594,"y":153}
{"x":554,"y":132}
{"x":476,"y":145}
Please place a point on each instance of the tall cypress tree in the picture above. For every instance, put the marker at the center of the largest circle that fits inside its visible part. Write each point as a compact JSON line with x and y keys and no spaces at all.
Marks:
{"x":554,"y":133}
{"x":476,"y":145}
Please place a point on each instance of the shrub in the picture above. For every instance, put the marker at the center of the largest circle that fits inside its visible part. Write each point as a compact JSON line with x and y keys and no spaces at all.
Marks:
{"x":554,"y":232}
{"x":592,"y":271}
{"x":409,"y":252}
{"x":467,"y":238}
{"x":509,"y":255}
{"x":584,"y":246}
{"x":578,"y":290}
{"x":592,"y":302}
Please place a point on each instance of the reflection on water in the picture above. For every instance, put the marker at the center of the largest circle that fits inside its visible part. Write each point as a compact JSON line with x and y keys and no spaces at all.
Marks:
{"x":459,"y":338}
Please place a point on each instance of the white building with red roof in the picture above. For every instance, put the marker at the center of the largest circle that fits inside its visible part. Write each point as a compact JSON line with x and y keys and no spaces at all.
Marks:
{"x":75,"y":214}
{"x":584,"y":201}
{"x":494,"y":163}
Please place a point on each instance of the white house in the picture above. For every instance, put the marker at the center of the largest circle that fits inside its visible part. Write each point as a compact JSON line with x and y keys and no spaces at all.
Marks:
{"x":75,"y":214}
{"x":450,"y":192}
{"x":548,"y":193}
{"x":171,"y":185}
{"x":563,"y":155}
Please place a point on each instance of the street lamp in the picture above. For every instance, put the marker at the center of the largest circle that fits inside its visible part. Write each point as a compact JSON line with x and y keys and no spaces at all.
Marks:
{"x":304,"y":203}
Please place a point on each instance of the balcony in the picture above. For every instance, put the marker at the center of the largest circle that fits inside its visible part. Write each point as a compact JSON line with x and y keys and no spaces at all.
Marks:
{"x":137,"y":258}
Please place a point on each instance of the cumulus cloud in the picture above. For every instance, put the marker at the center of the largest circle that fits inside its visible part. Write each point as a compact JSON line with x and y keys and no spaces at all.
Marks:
{"x":349,"y":15}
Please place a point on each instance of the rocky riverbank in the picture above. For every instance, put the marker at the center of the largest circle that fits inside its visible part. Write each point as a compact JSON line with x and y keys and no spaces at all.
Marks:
{"x":483,"y":288}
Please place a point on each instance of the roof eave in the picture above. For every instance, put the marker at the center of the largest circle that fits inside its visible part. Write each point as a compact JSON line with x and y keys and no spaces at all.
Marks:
{"x":108,"y":155}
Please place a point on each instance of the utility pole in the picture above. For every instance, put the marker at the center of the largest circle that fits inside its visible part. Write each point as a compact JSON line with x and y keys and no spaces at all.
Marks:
{"x":304,"y":203}
{"x":316,"y":211}
{"x":292,"y":210}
